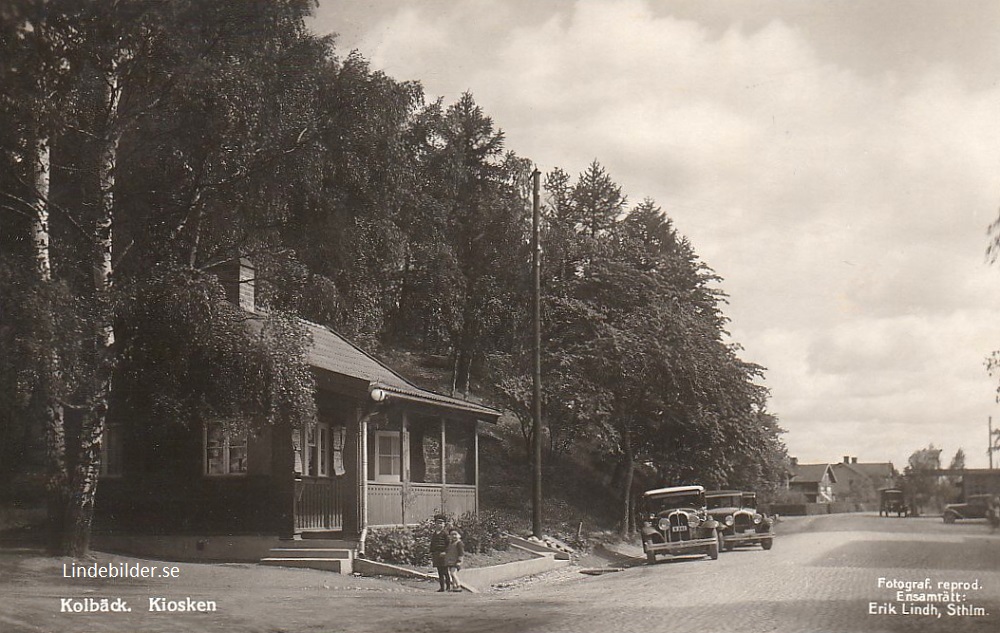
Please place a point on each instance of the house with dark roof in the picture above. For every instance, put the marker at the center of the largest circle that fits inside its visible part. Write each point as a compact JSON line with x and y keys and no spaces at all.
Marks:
{"x":814,"y":481}
{"x":384,"y":451}
{"x":861,"y":481}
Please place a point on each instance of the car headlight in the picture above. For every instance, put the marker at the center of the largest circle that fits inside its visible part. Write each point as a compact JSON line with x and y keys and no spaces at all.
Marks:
{"x":757,"y":519}
{"x":729,"y":520}
{"x":664,"y":524}
{"x":694,"y":521}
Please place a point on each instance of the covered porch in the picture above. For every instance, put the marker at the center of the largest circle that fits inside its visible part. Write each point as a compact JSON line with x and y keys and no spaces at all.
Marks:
{"x":421,"y":460}
{"x":385,"y":451}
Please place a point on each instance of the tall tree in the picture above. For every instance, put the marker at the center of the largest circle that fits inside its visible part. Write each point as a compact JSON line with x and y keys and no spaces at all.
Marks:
{"x":923,"y":486}
{"x":136,"y":71}
{"x":475,"y":207}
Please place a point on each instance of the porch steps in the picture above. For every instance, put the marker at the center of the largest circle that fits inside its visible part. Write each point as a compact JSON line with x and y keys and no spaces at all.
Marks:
{"x":305,"y":555}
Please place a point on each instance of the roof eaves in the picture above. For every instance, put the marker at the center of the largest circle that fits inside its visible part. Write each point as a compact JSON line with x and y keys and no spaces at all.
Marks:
{"x":416,"y":394}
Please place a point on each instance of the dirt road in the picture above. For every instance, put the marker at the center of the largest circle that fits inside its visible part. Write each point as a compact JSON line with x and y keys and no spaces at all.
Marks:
{"x":822,"y":575}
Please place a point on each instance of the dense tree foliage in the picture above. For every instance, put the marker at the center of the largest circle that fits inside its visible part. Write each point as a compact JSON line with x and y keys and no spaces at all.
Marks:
{"x":924,"y":488}
{"x":146,"y":143}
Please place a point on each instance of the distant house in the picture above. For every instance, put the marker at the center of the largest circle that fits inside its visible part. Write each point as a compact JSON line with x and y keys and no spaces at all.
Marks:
{"x":383,"y":452}
{"x":814,"y":481}
{"x":861,"y":481}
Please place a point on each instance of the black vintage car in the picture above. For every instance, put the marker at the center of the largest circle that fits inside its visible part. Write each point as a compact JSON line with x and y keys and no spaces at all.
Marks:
{"x":675,"y":522}
{"x":739,"y":521}
{"x":892,"y":500}
{"x":974,"y":507}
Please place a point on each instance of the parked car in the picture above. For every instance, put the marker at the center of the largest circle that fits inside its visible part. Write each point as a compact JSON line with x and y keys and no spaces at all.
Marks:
{"x":739,"y":521}
{"x":974,"y":507}
{"x":892,"y":500}
{"x":675,"y":521}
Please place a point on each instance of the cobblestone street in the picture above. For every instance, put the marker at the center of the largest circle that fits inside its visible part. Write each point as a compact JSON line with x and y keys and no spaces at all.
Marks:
{"x":823,"y":575}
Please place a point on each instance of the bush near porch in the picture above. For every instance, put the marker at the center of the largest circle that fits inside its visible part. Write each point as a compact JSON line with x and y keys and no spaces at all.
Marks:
{"x":410,"y":545}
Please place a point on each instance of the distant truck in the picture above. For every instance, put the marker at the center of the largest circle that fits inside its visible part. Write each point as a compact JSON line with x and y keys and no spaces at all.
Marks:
{"x":892,"y":500}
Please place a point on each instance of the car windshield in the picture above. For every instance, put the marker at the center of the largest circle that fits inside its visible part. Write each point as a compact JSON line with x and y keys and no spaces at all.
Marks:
{"x":892,"y":495}
{"x":658,"y":504}
{"x":749,"y":500}
{"x":723,"y":501}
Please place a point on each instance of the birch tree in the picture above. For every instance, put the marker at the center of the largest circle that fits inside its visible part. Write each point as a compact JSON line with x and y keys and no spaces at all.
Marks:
{"x":131,"y":67}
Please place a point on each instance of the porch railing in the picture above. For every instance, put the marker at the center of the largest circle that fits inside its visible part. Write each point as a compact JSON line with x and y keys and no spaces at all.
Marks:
{"x":422,"y":501}
{"x":319,"y":504}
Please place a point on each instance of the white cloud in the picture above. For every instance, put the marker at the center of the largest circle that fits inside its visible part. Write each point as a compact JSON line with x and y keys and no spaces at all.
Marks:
{"x":844,"y":205}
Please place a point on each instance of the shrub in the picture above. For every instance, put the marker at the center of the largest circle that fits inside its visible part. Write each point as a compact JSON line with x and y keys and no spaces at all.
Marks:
{"x":484,"y":533}
{"x":410,"y":545}
{"x":394,"y":545}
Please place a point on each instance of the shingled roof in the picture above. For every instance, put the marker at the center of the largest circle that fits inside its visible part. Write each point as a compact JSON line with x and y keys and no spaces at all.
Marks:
{"x":812,"y":473}
{"x":332,"y":352}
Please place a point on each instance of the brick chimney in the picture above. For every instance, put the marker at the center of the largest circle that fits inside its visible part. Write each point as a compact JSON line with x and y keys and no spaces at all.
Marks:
{"x":847,"y":459}
{"x":795,"y":461}
{"x":854,"y":460}
{"x":237,"y":278}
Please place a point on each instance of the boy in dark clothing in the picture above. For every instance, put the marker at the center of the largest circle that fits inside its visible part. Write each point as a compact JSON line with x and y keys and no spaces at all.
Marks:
{"x":439,"y":551}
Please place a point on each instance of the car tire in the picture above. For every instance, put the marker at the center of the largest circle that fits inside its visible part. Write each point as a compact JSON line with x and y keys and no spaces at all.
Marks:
{"x":767,"y":543}
{"x":713,"y":551}
{"x":651,"y":557}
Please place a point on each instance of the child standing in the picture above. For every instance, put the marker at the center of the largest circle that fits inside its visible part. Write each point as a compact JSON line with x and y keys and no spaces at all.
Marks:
{"x":439,"y":551}
{"x":454,"y":555}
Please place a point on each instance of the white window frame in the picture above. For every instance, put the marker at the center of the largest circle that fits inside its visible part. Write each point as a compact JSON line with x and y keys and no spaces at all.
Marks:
{"x":228,"y":444}
{"x":313,"y":458}
{"x":397,"y":440}
{"x":112,"y":448}
{"x":318,"y":450}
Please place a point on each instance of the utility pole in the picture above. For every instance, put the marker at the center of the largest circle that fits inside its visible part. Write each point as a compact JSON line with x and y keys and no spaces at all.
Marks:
{"x":990,"y":449}
{"x":536,"y":505}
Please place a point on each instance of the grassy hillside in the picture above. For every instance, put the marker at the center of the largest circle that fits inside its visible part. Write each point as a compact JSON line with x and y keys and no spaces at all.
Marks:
{"x":578,"y":495}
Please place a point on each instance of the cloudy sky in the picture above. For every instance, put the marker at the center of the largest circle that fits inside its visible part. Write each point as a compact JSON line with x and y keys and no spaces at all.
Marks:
{"x":837,"y":162}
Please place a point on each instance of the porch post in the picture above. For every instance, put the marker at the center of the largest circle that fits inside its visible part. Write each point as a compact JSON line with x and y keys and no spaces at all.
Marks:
{"x":475,"y":448}
{"x":404,"y":462}
{"x":363,"y":460}
{"x":444,"y":470}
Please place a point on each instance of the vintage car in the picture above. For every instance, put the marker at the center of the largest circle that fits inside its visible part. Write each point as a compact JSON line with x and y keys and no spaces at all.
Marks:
{"x":892,"y":500}
{"x":739,"y":521}
{"x":676,"y":522}
{"x":974,"y":507}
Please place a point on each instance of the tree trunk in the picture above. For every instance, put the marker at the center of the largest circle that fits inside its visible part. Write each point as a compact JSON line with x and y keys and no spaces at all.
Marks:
{"x":51,"y":412}
{"x":85,"y":475}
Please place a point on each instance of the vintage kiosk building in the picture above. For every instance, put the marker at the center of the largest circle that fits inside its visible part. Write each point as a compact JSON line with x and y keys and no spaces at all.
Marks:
{"x":383,"y":452}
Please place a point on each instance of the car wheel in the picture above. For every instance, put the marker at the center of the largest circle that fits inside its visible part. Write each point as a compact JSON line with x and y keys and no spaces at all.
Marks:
{"x":713,"y":551}
{"x":650,"y":557}
{"x":722,"y":542}
{"x":949,"y":517}
{"x":767,"y":543}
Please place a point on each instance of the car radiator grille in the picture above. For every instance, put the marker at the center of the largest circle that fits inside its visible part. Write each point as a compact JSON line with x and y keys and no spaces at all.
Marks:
{"x":679,"y":520}
{"x":742,"y":522}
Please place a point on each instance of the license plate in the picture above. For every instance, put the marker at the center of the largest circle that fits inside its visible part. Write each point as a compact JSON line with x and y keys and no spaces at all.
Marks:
{"x":679,"y":528}
{"x":749,"y":531}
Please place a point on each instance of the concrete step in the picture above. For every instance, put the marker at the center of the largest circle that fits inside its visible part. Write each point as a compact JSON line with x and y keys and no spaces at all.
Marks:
{"x":320,"y":543}
{"x":337,"y":565}
{"x":311,"y":552}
